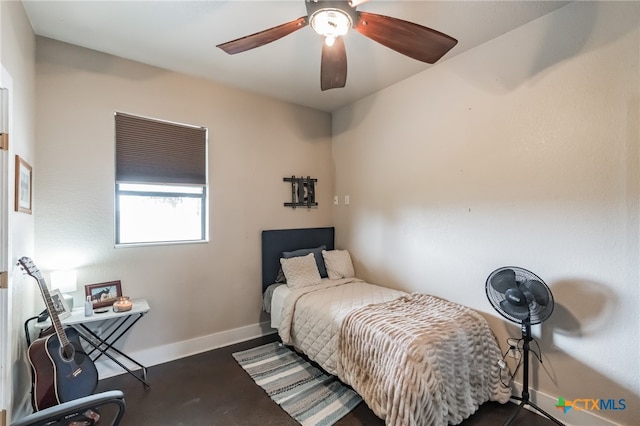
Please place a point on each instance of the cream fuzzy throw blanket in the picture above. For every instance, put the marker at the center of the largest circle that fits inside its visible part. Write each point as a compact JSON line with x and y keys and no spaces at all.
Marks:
{"x":421,"y":360}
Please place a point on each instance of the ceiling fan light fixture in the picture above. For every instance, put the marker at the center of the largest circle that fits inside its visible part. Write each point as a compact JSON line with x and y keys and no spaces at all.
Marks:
{"x":330,"y":23}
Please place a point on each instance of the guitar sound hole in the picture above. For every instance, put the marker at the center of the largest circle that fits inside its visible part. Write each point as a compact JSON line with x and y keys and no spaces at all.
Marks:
{"x":67,"y":352}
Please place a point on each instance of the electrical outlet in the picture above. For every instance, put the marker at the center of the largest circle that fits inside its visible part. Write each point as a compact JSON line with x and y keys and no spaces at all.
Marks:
{"x":514,"y":353}
{"x":335,"y":200}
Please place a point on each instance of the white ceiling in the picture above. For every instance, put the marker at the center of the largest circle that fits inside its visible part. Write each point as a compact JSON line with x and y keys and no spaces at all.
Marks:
{"x":181,"y":36}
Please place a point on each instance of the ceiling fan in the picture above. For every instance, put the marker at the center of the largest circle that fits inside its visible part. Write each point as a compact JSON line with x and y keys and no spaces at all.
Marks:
{"x":333,"y":19}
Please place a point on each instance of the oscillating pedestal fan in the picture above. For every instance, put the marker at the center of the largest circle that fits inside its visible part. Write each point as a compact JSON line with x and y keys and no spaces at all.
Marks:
{"x":522,"y":297}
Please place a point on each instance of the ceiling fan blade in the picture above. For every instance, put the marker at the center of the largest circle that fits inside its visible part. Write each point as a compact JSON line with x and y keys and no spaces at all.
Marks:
{"x":263,"y":37}
{"x":333,"y":68}
{"x":408,"y":38}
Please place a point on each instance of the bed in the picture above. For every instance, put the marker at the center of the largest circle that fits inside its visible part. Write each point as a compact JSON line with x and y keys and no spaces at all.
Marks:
{"x":414,"y":358}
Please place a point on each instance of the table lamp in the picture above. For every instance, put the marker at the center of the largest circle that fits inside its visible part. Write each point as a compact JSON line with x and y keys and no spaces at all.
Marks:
{"x":67,"y":282}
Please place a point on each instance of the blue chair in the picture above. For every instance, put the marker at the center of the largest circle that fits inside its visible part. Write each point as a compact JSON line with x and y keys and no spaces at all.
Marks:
{"x":110,"y":405}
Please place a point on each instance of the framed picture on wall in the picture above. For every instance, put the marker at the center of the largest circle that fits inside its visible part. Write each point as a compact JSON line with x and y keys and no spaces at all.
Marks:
{"x":23,"y":186}
{"x":103,"y":294}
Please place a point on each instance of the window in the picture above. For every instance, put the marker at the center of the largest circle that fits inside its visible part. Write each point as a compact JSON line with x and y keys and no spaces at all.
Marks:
{"x":161,"y":181}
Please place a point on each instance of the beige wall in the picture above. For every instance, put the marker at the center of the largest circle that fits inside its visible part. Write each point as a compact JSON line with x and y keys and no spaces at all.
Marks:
{"x":194,"y":290}
{"x":523,"y":151}
{"x":17,"y":60}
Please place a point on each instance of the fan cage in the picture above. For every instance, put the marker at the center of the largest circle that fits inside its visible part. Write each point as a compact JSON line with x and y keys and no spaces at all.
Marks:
{"x":537,"y":313}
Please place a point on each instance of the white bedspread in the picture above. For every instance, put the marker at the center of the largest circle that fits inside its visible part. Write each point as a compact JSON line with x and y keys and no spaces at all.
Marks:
{"x":311,"y":317}
{"x":277,"y":302}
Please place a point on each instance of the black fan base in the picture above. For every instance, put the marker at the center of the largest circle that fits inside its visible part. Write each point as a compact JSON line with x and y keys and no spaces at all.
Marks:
{"x":525,"y":401}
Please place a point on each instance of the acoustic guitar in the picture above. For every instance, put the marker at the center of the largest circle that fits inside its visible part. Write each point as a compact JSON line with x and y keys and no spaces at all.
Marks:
{"x":62,"y":371}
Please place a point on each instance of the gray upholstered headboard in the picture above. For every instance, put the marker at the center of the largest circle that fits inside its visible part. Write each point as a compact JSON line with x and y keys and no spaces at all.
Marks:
{"x":276,"y":241}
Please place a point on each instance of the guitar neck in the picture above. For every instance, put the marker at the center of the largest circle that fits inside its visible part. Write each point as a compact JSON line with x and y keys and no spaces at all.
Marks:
{"x":53,"y":314}
{"x":34,"y":272}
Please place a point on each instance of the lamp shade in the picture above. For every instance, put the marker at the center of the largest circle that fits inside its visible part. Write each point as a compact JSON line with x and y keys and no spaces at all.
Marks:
{"x":66,"y":281}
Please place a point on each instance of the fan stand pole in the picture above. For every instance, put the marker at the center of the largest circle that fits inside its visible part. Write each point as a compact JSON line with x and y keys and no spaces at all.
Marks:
{"x":524,"y":399}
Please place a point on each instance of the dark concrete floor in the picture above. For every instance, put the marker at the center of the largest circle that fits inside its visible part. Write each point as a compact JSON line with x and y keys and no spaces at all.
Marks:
{"x":212,"y":389}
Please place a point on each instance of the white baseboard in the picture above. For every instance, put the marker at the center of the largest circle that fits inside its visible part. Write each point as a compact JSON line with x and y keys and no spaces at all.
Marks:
{"x":571,"y":418}
{"x":161,"y":354}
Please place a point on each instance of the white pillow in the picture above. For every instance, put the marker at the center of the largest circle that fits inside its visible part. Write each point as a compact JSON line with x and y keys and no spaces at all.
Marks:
{"x":301,"y":271}
{"x":338,"y":263}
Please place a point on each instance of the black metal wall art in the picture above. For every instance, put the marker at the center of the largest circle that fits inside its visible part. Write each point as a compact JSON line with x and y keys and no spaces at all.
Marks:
{"x":303,"y":192}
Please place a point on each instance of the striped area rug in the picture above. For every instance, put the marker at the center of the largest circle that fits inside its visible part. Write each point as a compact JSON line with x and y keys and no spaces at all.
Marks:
{"x":308,"y":394}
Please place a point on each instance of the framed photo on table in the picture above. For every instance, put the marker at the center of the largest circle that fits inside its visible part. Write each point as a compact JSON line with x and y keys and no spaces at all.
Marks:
{"x":23,"y":191}
{"x":103,"y":294}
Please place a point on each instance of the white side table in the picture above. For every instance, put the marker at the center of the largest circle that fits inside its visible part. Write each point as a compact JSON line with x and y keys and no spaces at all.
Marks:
{"x":118,"y":324}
